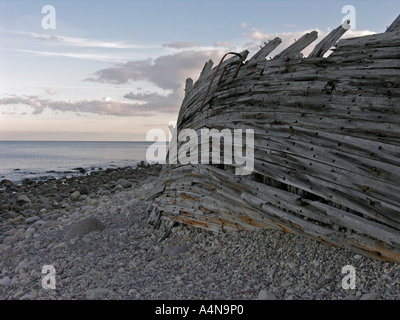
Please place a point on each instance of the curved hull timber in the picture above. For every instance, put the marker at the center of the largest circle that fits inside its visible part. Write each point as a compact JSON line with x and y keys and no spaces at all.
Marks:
{"x":326,"y":145}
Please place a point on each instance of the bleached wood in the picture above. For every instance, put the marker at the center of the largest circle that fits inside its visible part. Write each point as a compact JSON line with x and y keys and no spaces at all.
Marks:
{"x":188,"y":85}
{"x":325,"y":44}
{"x":395,"y":26}
{"x":326,"y":142}
{"x":298,"y":45}
{"x":266,"y":50}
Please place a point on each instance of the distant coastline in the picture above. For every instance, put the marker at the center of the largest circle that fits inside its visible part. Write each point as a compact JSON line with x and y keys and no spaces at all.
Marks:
{"x":42,"y":160}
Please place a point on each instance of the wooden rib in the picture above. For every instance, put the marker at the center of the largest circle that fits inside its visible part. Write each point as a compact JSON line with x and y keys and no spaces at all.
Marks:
{"x":265,"y":50}
{"x":298,"y":46}
{"x":188,"y":85}
{"x":395,"y":26}
{"x":325,"y":44}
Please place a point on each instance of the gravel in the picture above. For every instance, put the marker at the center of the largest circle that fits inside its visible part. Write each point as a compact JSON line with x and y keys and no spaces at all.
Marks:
{"x":126,"y":259}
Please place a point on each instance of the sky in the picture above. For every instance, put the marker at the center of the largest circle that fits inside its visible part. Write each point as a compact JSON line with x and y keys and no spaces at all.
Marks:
{"x":113,"y":70}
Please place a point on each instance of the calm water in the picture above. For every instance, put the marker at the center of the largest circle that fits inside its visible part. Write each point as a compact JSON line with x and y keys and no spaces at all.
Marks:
{"x":33,"y":159}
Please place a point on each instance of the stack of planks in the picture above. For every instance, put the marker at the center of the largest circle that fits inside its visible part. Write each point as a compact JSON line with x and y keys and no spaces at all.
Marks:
{"x":326,"y":145}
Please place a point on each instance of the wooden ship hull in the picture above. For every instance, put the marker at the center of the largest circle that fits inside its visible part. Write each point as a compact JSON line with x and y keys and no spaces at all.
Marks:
{"x":326,"y":145}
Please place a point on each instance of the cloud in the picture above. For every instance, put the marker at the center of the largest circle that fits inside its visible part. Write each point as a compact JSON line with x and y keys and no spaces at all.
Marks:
{"x":181,"y":44}
{"x":100,"y":107}
{"x":167,"y":72}
{"x":158,"y":102}
{"x":48,"y":38}
{"x":51,"y":91}
{"x":357,"y":33}
{"x":222,"y":44}
{"x":82,"y":42}
{"x":77,"y":55}
{"x":288,"y":38}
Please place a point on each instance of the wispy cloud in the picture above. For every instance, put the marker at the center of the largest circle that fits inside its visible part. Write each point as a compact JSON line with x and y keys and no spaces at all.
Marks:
{"x":77,"y":55}
{"x":181,"y":44}
{"x":222,"y":44}
{"x":82,"y":42}
{"x":51,"y":91}
{"x":106,"y":106}
{"x":158,"y":102}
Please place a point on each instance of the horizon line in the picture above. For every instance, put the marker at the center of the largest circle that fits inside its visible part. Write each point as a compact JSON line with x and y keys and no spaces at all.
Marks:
{"x":1,"y":140}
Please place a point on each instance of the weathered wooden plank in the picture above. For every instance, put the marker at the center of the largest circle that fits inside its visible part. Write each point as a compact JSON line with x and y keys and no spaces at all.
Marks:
{"x":361,"y":225}
{"x":298,"y":46}
{"x":325,"y":44}
{"x":395,"y":26}
{"x":188,"y":85}
{"x":207,"y":67}
{"x":308,"y":227}
{"x":265,"y":50}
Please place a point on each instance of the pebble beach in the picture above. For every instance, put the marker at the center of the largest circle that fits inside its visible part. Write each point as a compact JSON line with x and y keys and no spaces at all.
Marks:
{"x":93,"y":229}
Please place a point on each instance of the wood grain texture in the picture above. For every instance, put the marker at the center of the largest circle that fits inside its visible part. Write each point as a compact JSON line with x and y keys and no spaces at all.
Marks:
{"x":326,"y":145}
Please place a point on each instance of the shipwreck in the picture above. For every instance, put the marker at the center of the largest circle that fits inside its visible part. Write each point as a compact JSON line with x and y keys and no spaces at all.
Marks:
{"x":326,"y":144}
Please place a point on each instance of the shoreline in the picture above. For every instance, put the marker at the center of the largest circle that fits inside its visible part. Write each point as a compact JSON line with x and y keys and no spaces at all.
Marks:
{"x":30,"y":196}
{"x":125,"y":259}
{"x":48,"y":175}
{"x":56,"y":159}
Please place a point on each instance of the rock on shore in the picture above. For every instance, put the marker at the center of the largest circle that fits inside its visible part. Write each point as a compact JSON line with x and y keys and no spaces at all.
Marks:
{"x":118,"y":255}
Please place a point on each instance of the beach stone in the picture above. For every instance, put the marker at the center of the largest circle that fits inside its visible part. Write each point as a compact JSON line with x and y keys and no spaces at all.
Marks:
{"x":29,"y":296}
{"x":124,"y":183}
{"x":173,"y":251}
{"x":6,"y":183}
{"x":81,"y":170}
{"x":370,"y":296}
{"x":105,"y":193}
{"x":91,"y":201}
{"x":23,"y":199}
{"x":32,"y":219}
{"x":61,"y":245}
{"x":75,"y":195}
{"x":286,"y":283}
{"x":266,"y":295}
{"x":28,"y":213}
{"x":5,"y":282}
{"x":84,"y":190}
{"x":30,"y":230}
{"x":9,"y":215}
{"x":21,"y":266}
{"x":118,"y":188}
{"x":18,"y":294}
{"x":27,"y":181}
{"x":83,"y":227}
{"x":96,"y":294}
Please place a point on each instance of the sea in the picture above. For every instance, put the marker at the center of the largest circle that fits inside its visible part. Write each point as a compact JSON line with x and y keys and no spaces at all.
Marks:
{"x":54,"y":159}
